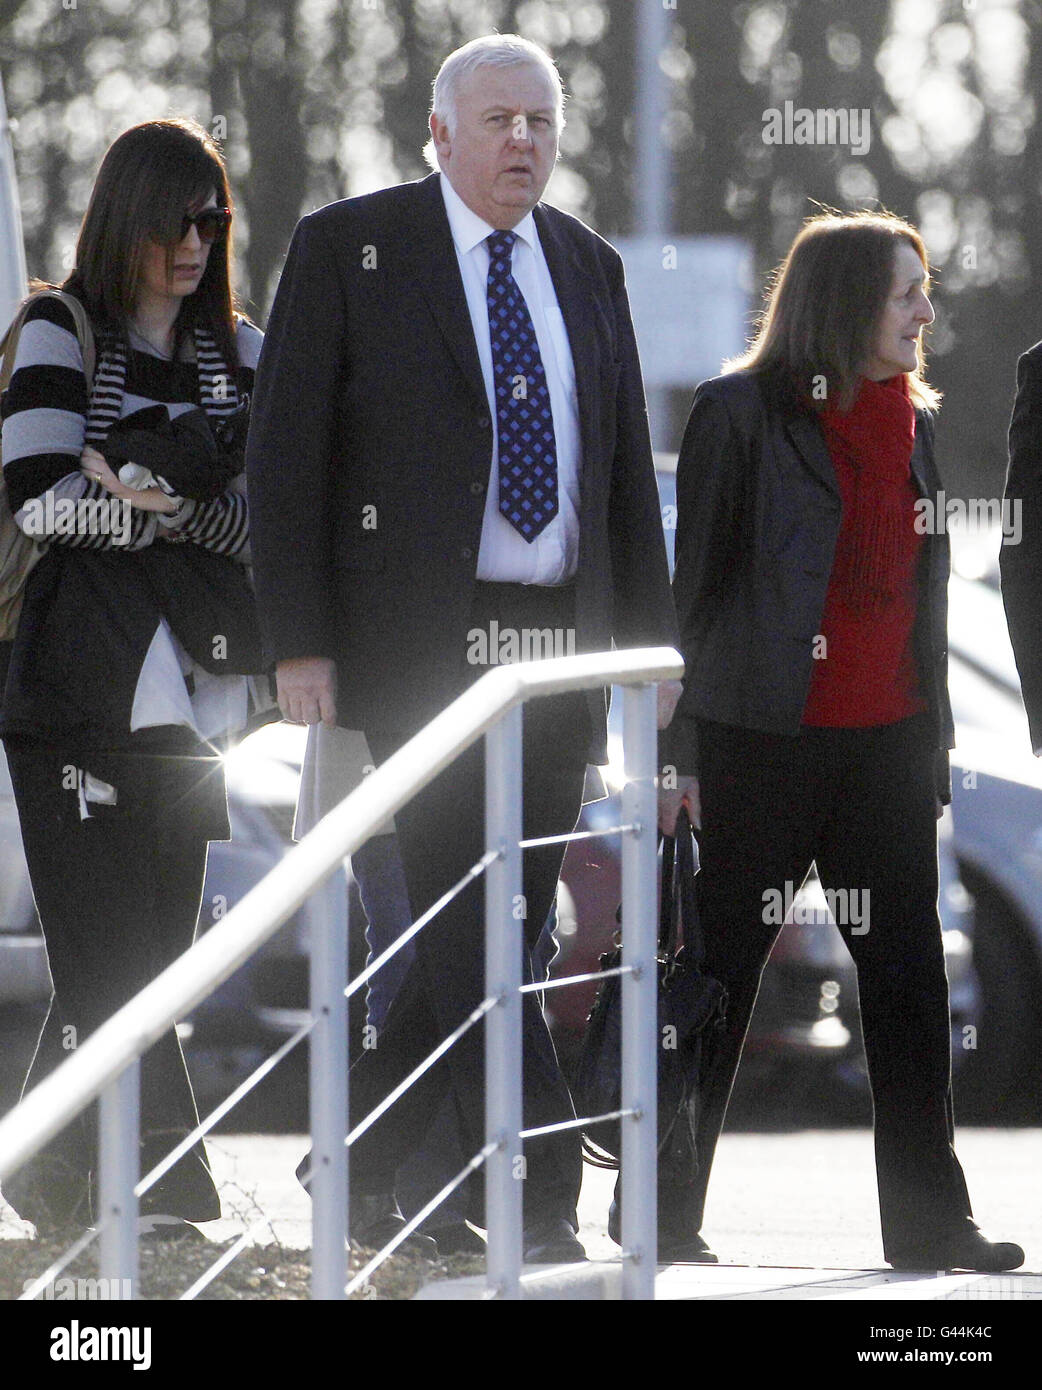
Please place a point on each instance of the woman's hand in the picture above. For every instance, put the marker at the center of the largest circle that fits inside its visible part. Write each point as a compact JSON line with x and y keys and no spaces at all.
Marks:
{"x":149,"y":499}
{"x":670,"y":800}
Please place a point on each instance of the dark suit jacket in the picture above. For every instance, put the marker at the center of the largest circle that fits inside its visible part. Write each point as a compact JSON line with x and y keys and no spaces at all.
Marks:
{"x":370,"y":447}
{"x":1021,"y":564}
{"x":758,"y":515}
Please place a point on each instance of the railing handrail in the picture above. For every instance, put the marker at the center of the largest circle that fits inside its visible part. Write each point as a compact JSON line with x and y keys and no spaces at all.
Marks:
{"x":258,"y":915}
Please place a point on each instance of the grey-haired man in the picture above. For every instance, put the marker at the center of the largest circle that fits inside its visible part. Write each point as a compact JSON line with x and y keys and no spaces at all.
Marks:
{"x":450,"y":438}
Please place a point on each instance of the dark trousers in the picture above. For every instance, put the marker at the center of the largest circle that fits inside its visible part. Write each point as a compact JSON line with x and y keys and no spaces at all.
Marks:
{"x":377,"y":867}
{"x":861,"y":803}
{"x":118,"y":896}
{"x":441,"y":835}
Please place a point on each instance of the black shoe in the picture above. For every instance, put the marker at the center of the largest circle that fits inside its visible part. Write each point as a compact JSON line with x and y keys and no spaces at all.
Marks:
{"x":51,"y":1195}
{"x":674,"y":1248}
{"x":968,"y":1249}
{"x":376,"y":1220}
{"x":459,"y":1239}
{"x":680,"y":1250}
{"x":382,"y":1232}
{"x":552,"y":1242}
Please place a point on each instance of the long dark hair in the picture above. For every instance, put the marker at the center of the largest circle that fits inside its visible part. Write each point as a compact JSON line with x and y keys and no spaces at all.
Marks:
{"x":151,"y":174}
{"x":824,"y":304}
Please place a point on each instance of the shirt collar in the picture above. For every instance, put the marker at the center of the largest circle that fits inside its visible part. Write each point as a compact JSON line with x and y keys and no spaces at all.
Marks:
{"x":468,"y":229}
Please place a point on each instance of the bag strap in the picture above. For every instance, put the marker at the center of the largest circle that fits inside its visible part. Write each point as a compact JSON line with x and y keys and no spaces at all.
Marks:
{"x":595,"y":1155}
{"x":678,"y":899}
{"x":687,"y":852}
{"x":84,"y":332}
{"x":669,"y":907}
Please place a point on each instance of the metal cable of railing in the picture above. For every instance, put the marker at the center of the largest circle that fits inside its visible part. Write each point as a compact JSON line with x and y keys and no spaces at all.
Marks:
{"x":62,"y":1262}
{"x":419,"y":1218}
{"x":475,"y":1016}
{"x":542,"y":986}
{"x":219,"y":1265}
{"x":575,"y":835}
{"x":364,"y":976}
{"x":224,"y":1108}
{"x":107,"y":1063}
{"x":562,"y":1125}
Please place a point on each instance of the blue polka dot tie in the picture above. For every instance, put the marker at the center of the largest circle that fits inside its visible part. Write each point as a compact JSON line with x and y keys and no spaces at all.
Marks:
{"x":524,"y":420}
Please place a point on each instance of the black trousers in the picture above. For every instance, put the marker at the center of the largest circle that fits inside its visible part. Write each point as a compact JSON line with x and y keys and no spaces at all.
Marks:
{"x":861,"y":803}
{"x":118,"y":896}
{"x":441,"y":834}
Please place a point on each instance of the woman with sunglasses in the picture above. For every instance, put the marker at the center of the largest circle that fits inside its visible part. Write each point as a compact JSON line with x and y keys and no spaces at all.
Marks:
{"x":113,"y":714}
{"x":815,"y":725}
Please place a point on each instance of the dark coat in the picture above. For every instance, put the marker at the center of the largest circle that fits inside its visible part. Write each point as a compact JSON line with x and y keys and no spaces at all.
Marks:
{"x":369,"y":454}
{"x":758,"y":516}
{"x":1021,"y":564}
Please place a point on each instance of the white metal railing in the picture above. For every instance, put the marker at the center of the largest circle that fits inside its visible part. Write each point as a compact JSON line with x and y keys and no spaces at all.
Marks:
{"x":107,"y":1064}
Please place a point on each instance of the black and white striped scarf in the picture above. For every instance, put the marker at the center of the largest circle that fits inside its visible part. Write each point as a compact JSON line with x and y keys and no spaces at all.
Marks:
{"x":217,"y":390}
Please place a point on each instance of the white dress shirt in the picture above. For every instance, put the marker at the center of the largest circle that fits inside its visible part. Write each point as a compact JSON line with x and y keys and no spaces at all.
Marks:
{"x":505,"y":556}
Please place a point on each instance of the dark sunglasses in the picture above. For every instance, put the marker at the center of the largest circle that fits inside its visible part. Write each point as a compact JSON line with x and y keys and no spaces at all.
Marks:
{"x":211,"y":224}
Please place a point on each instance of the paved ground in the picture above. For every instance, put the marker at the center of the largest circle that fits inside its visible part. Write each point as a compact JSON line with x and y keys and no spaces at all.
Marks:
{"x":805,"y":1199}
{"x":791,"y":1215}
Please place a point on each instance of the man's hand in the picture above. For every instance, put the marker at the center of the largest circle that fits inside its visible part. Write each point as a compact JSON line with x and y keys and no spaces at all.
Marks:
{"x":685,"y":793}
{"x":669,"y":692}
{"x":307,"y":690}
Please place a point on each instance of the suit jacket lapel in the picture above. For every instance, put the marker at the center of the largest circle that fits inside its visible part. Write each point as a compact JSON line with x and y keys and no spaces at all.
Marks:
{"x":436,"y":270}
{"x":806,"y":434}
{"x":576,"y":297}
{"x":919,"y":461}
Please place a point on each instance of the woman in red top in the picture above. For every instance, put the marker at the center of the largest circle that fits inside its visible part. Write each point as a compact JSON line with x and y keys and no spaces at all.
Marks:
{"x":815,"y":723}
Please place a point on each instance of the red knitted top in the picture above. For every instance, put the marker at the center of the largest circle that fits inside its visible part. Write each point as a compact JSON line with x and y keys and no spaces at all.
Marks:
{"x":865,"y":672}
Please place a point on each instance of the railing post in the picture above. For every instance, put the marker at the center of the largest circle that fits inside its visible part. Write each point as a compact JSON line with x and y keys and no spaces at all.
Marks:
{"x":118,"y":1162}
{"x":328,"y":1059}
{"x":504,"y":925}
{"x":639,"y":995}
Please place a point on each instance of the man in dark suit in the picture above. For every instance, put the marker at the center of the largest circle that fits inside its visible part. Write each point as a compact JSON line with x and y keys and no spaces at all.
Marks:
{"x":1020,"y":559}
{"x":449,"y":443}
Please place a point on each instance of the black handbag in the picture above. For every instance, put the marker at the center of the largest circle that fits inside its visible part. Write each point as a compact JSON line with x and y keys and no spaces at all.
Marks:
{"x":689,"y":1004}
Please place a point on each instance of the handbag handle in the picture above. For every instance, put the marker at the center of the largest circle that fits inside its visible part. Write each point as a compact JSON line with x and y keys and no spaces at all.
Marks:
{"x":679,"y":897}
{"x":9,"y":342}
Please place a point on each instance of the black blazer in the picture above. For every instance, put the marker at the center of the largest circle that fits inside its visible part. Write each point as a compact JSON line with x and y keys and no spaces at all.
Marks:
{"x":758,"y":515}
{"x":370,"y":444}
{"x":1020,"y":564}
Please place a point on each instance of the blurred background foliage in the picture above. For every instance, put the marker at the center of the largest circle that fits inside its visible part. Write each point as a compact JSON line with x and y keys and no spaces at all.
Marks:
{"x":318,"y":99}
